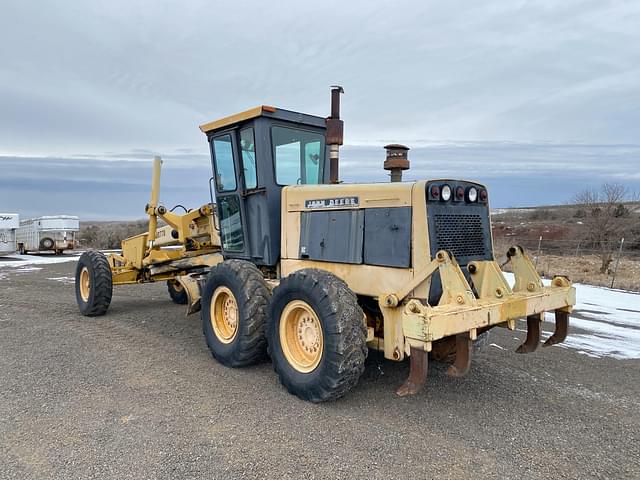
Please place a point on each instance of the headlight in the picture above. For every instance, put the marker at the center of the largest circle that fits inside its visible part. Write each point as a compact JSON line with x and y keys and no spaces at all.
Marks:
{"x":472,"y":194}
{"x":445,"y":193}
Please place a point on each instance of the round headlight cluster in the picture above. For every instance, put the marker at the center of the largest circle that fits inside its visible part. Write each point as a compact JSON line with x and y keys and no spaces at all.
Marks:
{"x":445,"y":193}
{"x":472,"y":194}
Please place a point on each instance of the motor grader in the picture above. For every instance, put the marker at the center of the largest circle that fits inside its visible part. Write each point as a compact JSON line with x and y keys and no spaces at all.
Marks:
{"x":292,"y":264}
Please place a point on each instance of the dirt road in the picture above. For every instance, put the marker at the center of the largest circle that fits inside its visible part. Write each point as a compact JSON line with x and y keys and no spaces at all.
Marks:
{"x":136,"y":394}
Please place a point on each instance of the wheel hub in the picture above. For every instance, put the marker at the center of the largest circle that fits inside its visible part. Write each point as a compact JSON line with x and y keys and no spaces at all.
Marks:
{"x":301,"y":336}
{"x":85,"y":284}
{"x":308,"y":334}
{"x":224,"y":315}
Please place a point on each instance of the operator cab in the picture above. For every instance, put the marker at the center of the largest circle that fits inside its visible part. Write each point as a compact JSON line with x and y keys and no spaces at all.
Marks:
{"x":254,"y":155}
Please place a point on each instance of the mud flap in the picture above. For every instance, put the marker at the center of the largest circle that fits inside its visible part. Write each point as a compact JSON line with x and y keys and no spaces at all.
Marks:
{"x":192,"y":286}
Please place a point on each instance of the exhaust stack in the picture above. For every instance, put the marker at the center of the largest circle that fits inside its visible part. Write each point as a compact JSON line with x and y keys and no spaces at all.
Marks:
{"x":335,"y":133}
{"x":397,"y":160}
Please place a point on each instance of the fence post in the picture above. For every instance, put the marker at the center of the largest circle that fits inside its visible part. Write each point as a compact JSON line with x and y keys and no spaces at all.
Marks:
{"x":615,"y":270}
{"x":538,"y":255}
{"x":578,"y":248}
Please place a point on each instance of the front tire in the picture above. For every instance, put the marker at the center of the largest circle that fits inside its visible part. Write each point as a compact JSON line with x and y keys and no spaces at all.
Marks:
{"x":94,"y":284}
{"x":316,"y":335}
{"x":234,"y":310}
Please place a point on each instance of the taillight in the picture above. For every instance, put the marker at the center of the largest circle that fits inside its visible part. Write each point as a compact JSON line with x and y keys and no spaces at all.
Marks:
{"x":459,"y":193}
{"x":435,"y":191}
{"x":483,"y":195}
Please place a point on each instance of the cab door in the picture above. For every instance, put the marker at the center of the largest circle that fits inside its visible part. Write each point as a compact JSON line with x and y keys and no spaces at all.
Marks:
{"x":224,"y":153}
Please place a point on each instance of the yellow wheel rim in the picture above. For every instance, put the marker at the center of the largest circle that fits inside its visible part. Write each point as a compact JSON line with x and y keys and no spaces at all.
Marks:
{"x":301,"y":336}
{"x":85,"y":284}
{"x":224,"y":315}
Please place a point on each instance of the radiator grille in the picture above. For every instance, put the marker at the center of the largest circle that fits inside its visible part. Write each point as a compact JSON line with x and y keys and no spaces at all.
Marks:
{"x":461,"y":234}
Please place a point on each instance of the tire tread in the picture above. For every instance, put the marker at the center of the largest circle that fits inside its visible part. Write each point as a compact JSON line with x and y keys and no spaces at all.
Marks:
{"x":101,"y":285}
{"x":346,"y":362}
{"x":255,"y":299}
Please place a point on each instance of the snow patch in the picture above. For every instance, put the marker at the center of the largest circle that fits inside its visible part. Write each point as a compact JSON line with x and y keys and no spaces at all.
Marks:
{"x":604,"y":323}
{"x":27,"y":269}
{"x":14,"y":261}
{"x":65,"y":280}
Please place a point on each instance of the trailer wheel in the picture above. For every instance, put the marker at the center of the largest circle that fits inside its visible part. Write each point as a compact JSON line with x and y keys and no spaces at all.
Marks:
{"x":47,"y":243}
{"x":234,"y":302}
{"x":177,"y":292}
{"x":94,"y":284}
{"x":316,"y":335}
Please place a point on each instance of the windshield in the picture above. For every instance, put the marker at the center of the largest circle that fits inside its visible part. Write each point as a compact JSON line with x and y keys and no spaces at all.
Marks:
{"x":298,"y":156}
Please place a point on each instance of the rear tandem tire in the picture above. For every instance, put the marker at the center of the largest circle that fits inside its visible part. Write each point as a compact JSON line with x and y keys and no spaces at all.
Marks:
{"x":234,"y":303}
{"x":94,"y":284}
{"x":177,"y":292}
{"x":316,"y":335}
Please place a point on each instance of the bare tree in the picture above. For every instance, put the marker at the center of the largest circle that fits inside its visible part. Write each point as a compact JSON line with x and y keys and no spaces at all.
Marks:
{"x":606,"y":219}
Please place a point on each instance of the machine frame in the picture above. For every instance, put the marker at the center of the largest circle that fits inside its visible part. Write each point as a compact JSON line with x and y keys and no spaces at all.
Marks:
{"x":260,"y":251}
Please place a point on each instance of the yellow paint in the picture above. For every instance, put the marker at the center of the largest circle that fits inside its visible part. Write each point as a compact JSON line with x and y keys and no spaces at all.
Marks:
{"x":301,"y":336}
{"x":238,"y":117}
{"x":377,"y":195}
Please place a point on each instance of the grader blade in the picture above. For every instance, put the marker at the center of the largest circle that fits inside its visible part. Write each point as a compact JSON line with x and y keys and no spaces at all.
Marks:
{"x":533,"y":334}
{"x":561,"y":331}
{"x":462,"y":364}
{"x":418,"y":366}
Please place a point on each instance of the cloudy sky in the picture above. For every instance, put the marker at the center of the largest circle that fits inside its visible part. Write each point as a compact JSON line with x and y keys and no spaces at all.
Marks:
{"x":536,"y":99}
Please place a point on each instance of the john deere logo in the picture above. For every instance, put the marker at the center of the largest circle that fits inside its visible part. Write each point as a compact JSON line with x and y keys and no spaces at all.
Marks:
{"x":332,"y":202}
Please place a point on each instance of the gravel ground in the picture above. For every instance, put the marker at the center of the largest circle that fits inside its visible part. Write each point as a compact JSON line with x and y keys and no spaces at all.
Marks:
{"x":136,"y":394}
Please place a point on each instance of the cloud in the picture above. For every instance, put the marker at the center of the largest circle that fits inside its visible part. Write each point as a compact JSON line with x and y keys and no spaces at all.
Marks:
{"x":122,"y":74}
{"x":531,"y":96}
{"x":99,"y":188}
{"x":117,"y":185}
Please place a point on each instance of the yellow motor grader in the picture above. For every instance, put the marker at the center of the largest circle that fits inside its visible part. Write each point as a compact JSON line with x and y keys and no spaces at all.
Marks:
{"x":292,"y":264}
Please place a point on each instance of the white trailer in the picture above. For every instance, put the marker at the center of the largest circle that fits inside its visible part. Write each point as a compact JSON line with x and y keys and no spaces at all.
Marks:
{"x":9,"y":222}
{"x":51,"y":233}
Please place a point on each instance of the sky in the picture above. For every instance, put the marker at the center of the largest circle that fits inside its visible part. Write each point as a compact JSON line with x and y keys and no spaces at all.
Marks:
{"x":538,"y":100}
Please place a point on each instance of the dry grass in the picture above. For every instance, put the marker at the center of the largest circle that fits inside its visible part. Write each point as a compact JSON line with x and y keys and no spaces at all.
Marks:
{"x":585,"y":269}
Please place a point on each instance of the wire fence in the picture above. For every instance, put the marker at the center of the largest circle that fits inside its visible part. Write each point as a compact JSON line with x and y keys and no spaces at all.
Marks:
{"x":580,"y":259}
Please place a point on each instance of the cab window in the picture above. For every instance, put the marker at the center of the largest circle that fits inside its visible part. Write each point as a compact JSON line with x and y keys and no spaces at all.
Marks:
{"x":248,"y":151}
{"x":298,"y":156}
{"x":231,"y":232}
{"x":224,"y":166}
